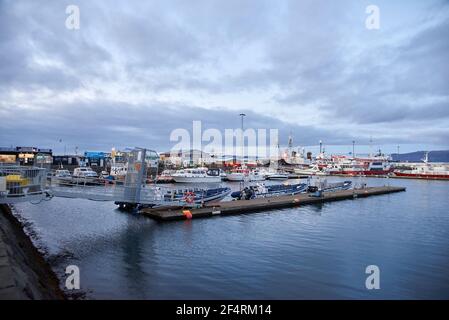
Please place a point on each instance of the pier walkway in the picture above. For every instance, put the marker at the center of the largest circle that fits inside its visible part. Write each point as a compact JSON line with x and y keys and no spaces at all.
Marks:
{"x":263,"y":204}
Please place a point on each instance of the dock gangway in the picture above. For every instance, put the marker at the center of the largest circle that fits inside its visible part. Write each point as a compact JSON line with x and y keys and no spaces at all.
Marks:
{"x":32,"y":184}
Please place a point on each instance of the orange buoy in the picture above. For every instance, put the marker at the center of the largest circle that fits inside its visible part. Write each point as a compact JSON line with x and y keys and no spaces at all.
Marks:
{"x":187,"y":214}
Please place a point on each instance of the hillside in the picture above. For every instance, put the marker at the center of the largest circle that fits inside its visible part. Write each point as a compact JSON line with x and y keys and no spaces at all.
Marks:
{"x":417,"y":156}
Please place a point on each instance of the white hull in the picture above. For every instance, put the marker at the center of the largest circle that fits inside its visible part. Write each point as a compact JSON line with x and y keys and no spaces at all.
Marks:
{"x":210,"y":179}
{"x":239,"y":177}
{"x":235,"y":177}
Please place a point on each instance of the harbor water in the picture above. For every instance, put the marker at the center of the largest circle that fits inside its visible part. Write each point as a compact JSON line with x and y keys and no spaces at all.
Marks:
{"x":308,"y":252}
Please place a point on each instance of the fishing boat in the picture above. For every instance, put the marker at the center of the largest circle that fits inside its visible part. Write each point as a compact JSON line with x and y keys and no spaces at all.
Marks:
{"x":197,"y":175}
{"x":262,"y":190}
{"x":425,"y":170}
{"x":196,"y":195}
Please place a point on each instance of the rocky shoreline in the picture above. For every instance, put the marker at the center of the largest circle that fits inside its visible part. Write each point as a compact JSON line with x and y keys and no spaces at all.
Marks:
{"x":24,"y":273}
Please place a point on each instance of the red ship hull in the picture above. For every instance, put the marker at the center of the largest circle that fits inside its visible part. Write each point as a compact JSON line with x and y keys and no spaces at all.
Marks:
{"x":363,"y":173}
{"x":423,"y":176}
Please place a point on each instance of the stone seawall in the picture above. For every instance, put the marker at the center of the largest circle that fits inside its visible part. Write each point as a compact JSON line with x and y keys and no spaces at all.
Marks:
{"x":24,"y":274}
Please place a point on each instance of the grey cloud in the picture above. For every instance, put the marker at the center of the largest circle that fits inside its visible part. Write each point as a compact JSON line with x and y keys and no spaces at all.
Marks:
{"x":304,"y":53}
{"x":104,"y":124}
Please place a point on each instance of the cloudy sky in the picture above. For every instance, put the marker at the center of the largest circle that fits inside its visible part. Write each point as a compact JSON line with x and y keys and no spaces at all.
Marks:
{"x":134,"y":71}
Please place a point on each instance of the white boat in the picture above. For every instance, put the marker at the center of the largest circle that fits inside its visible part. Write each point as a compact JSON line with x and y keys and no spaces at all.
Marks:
{"x":312,"y":171}
{"x":256,"y":175}
{"x":119,"y":170}
{"x":276,"y":176}
{"x":197,"y":175}
{"x":63,"y":176}
{"x":427,"y":170}
{"x":244,"y":174}
{"x":84,"y":175}
{"x":236,"y":175}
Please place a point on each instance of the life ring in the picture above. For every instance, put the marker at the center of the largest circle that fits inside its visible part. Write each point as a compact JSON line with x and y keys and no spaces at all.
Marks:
{"x":189,"y":197}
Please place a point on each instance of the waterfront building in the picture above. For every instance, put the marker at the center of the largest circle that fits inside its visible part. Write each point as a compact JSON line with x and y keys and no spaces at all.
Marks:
{"x":26,"y":155}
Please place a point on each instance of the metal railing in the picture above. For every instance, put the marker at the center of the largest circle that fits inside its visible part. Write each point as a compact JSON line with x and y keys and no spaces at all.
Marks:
{"x":18,"y":183}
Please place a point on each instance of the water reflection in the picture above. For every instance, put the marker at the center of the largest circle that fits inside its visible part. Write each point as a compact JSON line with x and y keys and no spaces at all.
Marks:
{"x":311,"y":251}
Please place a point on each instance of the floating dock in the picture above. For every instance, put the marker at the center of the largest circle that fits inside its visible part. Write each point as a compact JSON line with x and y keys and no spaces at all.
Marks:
{"x":263,"y":204}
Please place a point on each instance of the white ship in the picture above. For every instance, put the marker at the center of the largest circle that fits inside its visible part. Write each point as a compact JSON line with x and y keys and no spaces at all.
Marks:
{"x":244,"y":174}
{"x":197,"y":175}
{"x":84,"y":175}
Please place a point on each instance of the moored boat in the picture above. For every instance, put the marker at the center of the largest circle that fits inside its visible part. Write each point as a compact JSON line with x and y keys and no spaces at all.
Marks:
{"x":84,"y":175}
{"x":262,"y":190}
{"x":324,"y":186}
{"x":425,"y":170}
{"x":63,"y":176}
{"x":197,"y":175}
{"x":196,"y":196}
{"x":244,"y":174}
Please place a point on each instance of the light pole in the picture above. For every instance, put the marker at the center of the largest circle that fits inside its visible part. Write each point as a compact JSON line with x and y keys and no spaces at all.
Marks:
{"x":353,"y":149}
{"x":242,"y":115}
{"x":321,"y":146}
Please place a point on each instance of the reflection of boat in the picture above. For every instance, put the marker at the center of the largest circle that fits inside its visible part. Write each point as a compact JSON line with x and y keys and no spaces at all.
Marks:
{"x":197,"y":175}
{"x":268,"y":191}
{"x":196,"y":196}
{"x":84,"y":175}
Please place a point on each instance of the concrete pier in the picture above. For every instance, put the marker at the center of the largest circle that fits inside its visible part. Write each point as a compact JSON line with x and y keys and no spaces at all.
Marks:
{"x":263,"y":204}
{"x":24,"y":274}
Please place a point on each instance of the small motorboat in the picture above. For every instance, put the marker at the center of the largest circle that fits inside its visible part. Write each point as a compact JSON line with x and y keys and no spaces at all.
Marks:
{"x":263,"y":191}
{"x":244,"y":174}
{"x":331,"y":187}
{"x":63,"y":176}
{"x":197,"y":175}
{"x":84,"y":175}
{"x":196,"y":196}
{"x":277,"y":176}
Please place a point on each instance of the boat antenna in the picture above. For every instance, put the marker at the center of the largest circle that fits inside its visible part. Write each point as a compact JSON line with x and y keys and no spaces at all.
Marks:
{"x":426,"y":157}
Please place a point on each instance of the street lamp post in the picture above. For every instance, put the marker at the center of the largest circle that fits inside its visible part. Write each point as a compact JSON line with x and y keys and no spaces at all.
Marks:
{"x":353,"y":149}
{"x":242,"y":115}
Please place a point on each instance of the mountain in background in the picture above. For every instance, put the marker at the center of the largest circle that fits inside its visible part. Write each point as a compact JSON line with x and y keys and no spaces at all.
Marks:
{"x":417,"y":156}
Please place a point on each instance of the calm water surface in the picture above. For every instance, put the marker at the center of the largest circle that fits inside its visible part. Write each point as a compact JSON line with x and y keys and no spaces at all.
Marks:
{"x":315,"y":251}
